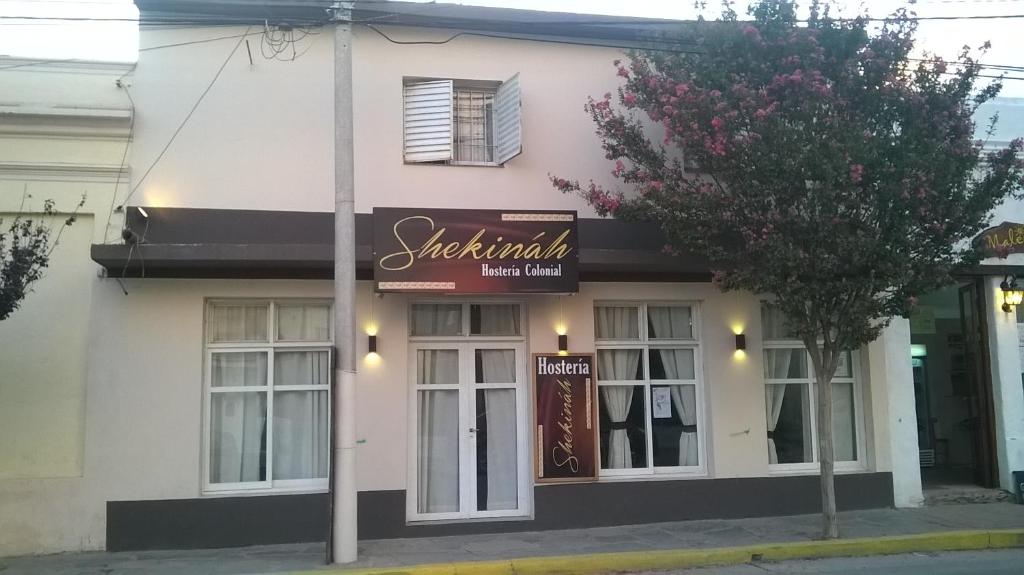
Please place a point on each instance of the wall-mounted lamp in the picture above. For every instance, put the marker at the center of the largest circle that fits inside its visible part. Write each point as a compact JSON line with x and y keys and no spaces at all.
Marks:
{"x":741,"y":342}
{"x":563,"y":344}
{"x":1012,"y":294}
{"x":371,"y":345}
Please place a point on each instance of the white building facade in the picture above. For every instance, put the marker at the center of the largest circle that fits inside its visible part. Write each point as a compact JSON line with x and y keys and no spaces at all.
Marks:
{"x":204,"y":367}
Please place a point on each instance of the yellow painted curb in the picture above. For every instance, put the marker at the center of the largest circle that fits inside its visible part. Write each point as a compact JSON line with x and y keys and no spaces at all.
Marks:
{"x":597,"y":563}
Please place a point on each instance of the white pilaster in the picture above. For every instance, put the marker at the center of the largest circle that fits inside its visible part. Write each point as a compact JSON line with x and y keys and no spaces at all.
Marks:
{"x":1007,"y":390}
{"x":895,"y":412}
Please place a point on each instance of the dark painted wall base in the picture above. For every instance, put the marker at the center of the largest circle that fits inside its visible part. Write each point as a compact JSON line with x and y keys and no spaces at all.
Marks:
{"x":238,"y":521}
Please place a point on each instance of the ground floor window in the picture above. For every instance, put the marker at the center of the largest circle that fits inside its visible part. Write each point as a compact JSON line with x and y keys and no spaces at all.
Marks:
{"x":649,"y":388}
{"x":791,"y":403}
{"x":267,"y":388}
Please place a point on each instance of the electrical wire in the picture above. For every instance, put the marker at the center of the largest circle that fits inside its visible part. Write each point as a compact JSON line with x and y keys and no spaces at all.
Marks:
{"x":184,"y":121}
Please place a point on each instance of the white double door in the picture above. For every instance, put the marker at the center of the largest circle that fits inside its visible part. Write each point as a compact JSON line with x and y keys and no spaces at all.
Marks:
{"x":470,"y":453}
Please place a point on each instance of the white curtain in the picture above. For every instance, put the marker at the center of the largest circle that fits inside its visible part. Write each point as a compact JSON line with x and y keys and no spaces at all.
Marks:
{"x":499,"y":366}
{"x":669,"y":322}
{"x":300,"y":417}
{"x":437,"y":366}
{"x":773,"y":396}
{"x":303,"y":322}
{"x":438,"y":452}
{"x":237,"y":431}
{"x":618,"y":365}
{"x":301,"y":437}
{"x":617,"y":400}
{"x":616,"y":322}
{"x":679,"y":365}
{"x":843,"y":433}
{"x":497,"y":319}
{"x":436,"y":319}
{"x":238,"y":323}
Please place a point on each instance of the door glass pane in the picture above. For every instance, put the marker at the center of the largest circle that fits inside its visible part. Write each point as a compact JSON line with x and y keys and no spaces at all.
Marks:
{"x":237,"y":323}
{"x":301,"y":437}
{"x":303,"y":322}
{"x":616,"y":322}
{"x":789,"y":423}
{"x":669,"y":322}
{"x":619,"y":364}
{"x":674,"y":425}
{"x":238,"y":369}
{"x":494,"y":319}
{"x":785,"y":364}
{"x":497,"y":474}
{"x":301,"y":368}
{"x":672,"y":364}
{"x":622,"y":426}
{"x":437,"y":448}
{"x":844,"y":431}
{"x":437,"y":366}
{"x":435,"y":319}
{"x":238,"y":437}
{"x":495,"y":365}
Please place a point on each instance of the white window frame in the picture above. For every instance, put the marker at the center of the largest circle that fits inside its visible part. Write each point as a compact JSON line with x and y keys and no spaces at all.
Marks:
{"x":645,"y":344}
{"x":431,"y":116}
{"x":855,"y":378}
{"x":465,"y":344}
{"x":270,"y":346}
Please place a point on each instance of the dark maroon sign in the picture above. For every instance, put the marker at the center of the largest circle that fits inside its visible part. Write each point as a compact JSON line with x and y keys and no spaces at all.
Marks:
{"x":565,"y":404}
{"x":1002,"y":240}
{"x":475,"y":251}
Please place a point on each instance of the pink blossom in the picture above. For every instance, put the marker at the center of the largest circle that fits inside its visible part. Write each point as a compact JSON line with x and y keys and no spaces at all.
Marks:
{"x":717,"y":123}
{"x":629,"y":98}
{"x":623,"y":72}
{"x":856,"y":173}
{"x":657,"y":185}
{"x":681,"y":89}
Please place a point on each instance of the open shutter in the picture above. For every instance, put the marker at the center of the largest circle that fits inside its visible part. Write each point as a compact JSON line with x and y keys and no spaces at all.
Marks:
{"x":428,"y":121}
{"x":508,"y":121}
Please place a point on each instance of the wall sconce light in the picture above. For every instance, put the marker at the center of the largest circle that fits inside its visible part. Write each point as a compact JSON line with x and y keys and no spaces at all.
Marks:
{"x":372,"y":343}
{"x":741,"y":342}
{"x":1012,"y":294}
{"x":563,"y":344}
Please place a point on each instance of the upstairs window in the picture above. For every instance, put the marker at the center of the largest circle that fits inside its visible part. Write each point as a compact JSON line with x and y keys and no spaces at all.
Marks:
{"x":462,"y":122}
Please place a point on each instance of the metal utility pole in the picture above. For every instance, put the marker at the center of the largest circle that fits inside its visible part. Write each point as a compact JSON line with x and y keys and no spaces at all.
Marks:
{"x":342,"y":542}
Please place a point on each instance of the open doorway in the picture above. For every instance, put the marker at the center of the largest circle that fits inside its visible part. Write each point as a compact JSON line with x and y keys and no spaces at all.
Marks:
{"x":953,"y":389}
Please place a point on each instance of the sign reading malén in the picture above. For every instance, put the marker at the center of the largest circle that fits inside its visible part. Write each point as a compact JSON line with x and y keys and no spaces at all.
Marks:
{"x":565,"y":405}
{"x":1002,"y":240}
{"x":475,"y":251}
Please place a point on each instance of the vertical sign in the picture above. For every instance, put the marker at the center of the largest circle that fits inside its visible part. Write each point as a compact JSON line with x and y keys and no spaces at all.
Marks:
{"x":565,"y":404}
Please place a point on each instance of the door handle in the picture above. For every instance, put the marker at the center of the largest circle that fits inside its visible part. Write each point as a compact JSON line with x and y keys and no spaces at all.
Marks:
{"x":472,"y":430}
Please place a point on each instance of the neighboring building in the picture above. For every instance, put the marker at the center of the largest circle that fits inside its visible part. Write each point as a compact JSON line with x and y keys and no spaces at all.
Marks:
{"x":63,"y":133}
{"x":209,"y":381}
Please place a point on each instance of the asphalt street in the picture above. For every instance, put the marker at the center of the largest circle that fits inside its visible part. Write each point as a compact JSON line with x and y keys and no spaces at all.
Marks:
{"x":1002,"y":562}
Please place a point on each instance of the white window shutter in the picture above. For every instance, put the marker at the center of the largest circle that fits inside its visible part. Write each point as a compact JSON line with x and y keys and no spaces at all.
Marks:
{"x":508,"y":119}
{"x":428,"y":121}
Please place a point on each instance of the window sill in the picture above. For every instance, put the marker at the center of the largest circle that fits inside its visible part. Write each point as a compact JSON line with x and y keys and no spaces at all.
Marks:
{"x":802,"y":469}
{"x":259,"y":492}
{"x":676,"y":475}
{"x":414,"y":522}
{"x":457,"y":164}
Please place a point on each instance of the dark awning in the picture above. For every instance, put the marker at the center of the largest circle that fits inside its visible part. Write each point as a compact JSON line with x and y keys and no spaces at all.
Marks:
{"x":212,"y":243}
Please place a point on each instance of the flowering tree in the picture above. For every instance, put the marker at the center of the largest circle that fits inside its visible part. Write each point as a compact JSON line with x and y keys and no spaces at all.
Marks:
{"x":823,"y":165}
{"x":25,"y":249}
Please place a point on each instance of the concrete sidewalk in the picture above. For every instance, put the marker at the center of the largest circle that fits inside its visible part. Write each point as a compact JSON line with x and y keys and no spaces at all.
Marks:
{"x":658,"y":537}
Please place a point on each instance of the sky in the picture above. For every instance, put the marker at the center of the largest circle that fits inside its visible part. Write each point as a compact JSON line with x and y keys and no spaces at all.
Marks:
{"x":118,"y":40}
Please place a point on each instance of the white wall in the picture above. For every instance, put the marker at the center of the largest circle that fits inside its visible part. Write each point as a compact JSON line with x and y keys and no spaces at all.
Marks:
{"x":1007,"y":388}
{"x":262,"y":138}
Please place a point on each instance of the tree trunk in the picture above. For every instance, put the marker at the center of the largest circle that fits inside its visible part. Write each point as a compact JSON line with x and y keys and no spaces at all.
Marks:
{"x":826,"y":459}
